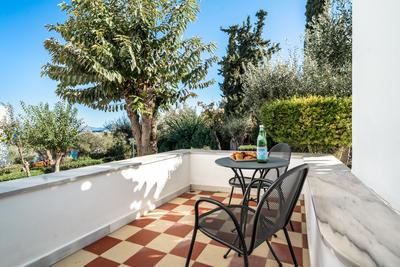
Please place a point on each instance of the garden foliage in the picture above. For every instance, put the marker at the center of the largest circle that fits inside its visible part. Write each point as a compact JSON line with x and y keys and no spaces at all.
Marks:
{"x":183,"y":128}
{"x":19,"y":175}
{"x":90,"y":142}
{"x":326,"y":69}
{"x":129,"y":55}
{"x":247,"y":148}
{"x":10,"y":169}
{"x":28,"y":154}
{"x":314,"y":122}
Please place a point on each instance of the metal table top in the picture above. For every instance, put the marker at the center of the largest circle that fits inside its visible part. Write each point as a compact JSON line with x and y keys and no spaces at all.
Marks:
{"x":271,"y":164}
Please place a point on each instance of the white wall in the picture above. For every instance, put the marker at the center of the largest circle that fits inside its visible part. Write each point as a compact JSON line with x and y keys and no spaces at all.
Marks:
{"x":66,"y":217}
{"x":376,"y":96}
{"x":4,"y":153}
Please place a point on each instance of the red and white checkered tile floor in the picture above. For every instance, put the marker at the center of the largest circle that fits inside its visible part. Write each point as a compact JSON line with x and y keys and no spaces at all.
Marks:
{"x":162,"y":238}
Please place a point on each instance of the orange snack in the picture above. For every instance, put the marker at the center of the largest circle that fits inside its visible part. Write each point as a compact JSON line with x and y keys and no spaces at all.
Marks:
{"x":239,"y":156}
{"x":248,"y":157}
{"x":232,"y":156}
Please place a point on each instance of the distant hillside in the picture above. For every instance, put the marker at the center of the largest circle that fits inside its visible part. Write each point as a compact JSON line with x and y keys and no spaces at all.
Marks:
{"x":95,"y":129}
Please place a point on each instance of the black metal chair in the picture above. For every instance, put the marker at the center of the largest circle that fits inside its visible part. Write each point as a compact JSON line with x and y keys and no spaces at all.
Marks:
{"x":252,"y":227}
{"x":281,"y":150}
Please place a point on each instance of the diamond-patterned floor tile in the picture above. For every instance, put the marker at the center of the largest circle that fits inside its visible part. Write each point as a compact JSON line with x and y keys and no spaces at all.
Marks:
{"x":162,"y":238}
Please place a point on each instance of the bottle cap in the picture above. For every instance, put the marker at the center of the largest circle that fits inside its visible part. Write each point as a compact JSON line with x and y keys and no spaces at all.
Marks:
{"x":261,"y":126}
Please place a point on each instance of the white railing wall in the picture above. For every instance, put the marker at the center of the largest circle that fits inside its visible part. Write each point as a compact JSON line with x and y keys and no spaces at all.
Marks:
{"x":43,"y":225}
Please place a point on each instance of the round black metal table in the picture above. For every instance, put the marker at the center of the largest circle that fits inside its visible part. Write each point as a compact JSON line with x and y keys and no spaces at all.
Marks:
{"x":263,"y":168}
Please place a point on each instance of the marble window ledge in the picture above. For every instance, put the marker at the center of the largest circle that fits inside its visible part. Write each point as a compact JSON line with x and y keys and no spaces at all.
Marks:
{"x":354,"y":223}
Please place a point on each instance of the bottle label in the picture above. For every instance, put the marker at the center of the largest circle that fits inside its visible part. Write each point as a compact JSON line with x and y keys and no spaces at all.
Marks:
{"x":261,"y":153}
{"x":259,"y":137}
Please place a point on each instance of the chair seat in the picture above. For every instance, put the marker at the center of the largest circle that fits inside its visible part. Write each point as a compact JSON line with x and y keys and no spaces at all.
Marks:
{"x":235,"y":182}
{"x":219,"y":224}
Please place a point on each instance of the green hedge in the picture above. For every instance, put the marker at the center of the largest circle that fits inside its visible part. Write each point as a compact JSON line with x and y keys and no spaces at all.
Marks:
{"x":10,"y":169}
{"x":19,"y":175}
{"x":80,"y":163}
{"x":314,"y":122}
{"x":43,"y":170}
{"x":247,"y":148}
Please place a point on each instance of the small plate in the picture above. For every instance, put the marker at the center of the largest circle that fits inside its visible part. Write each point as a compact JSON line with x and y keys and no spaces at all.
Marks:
{"x":243,"y":160}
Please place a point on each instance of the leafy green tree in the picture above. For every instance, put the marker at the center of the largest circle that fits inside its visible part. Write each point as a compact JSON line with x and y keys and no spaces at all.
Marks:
{"x":326,"y":69}
{"x":90,"y":142}
{"x":330,"y":41}
{"x":245,"y":46}
{"x":54,"y":130}
{"x":130,"y":55}
{"x":237,"y":128}
{"x":213,"y":117}
{"x":313,"y":9}
{"x":271,"y":79}
{"x":183,"y":128}
{"x":14,"y":133}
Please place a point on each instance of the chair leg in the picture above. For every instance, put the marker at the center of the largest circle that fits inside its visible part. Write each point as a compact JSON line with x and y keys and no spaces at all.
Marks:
{"x":229,"y":250}
{"x":230,"y":196}
{"x":191,"y":247}
{"x":290,"y":247}
{"x":245,"y":259}
{"x":291,"y":225}
{"x":273,"y":253}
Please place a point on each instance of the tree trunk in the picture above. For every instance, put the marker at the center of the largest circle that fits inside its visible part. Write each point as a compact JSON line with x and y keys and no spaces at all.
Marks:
{"x":343,"y":154}
{"x":145,"y":132}
{"x":236,"y":142}
{"x":24,"y":163}
{"x":51,"y":161}
{"x":59,"y":156}
{"x":216,"y":137}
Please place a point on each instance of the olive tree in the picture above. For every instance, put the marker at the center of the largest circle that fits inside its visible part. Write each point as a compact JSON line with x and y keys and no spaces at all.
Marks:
{"x":52,"y":130}
{"x":13,"y":132}
{"x":129,"y":55}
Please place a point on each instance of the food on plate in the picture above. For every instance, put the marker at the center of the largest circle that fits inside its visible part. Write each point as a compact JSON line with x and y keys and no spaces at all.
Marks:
{"x":243,"y":155}
{"x":239,"y":156}
{"x":251,"y":154}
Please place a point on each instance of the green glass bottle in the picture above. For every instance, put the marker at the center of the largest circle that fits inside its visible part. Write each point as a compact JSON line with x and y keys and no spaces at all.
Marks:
{"x":262,"y":150}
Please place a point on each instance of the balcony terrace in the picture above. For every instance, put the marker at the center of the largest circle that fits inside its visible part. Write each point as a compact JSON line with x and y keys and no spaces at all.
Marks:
{"x":99,"y":208}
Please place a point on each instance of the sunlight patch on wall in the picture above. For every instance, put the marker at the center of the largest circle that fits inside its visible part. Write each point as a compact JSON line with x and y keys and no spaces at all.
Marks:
{"x":86,"y":186}
{"x":155,"y":175}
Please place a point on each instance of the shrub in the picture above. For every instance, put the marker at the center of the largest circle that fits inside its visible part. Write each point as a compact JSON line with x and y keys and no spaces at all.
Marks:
{"x":314,"y":122}
{"x":29,"y":154}
{"x":248,"y":148}
{"x":82,"y":162}
{"x":12,"y":168}
{"x":94,"y":143}
{"x":182,"y":128}
{"x":203,"y":148}
{"x":19,"y":175}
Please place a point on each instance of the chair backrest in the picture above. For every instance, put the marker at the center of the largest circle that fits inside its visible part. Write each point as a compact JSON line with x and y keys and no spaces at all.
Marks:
{"x":277,"y":205}
{"x":282,"y":151}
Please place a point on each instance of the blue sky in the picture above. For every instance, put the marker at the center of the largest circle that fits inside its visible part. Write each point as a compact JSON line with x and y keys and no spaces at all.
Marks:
{"x":23,"y":33}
